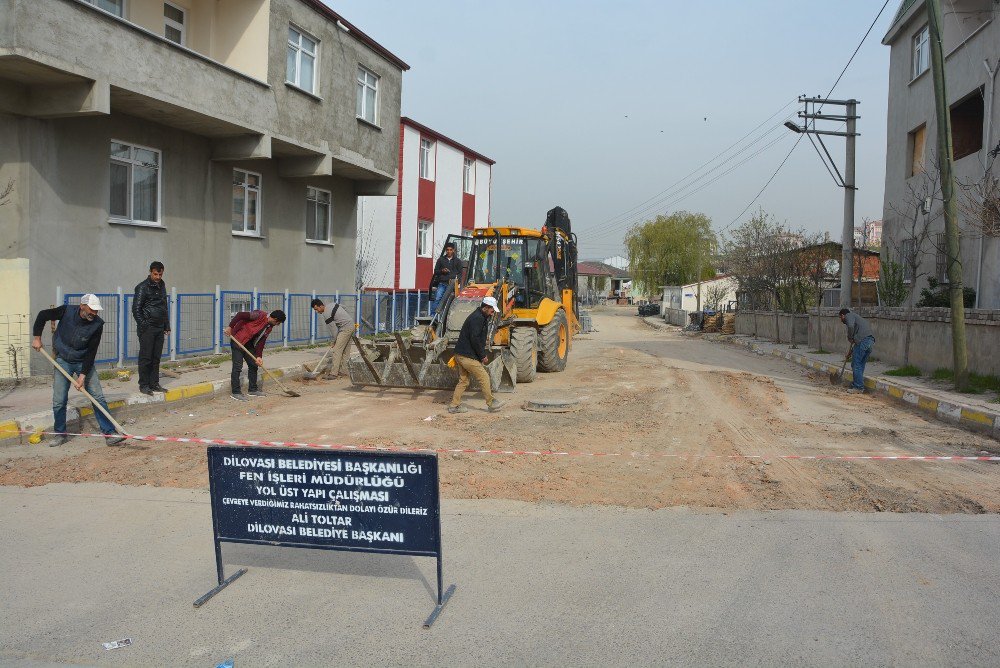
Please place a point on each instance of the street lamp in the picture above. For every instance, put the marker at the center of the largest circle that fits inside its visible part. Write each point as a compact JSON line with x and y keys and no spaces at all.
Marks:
{"x":793,"y":127}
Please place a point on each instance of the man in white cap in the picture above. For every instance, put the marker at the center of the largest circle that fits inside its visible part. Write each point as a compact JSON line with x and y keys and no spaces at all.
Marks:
{"x":470,"y":357}
{"x":76,"y":340}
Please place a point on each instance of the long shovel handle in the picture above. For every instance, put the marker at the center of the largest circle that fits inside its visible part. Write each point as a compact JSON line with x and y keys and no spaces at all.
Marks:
{"x":322,"y":359}
{"x":266,"y":372}
{"x":72,"y":381}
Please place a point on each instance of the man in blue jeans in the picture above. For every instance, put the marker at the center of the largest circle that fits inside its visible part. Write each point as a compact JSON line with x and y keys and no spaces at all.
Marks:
{"x":862,"y":338}
{"x":76,"y":340}
{"x":447,"y":269}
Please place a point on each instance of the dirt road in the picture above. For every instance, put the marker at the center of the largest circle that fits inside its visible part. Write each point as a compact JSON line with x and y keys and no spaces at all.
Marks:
{"x":646,"y":394}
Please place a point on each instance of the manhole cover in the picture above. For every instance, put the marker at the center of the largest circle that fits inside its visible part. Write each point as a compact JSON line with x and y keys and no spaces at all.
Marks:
{"x":552,"y":406}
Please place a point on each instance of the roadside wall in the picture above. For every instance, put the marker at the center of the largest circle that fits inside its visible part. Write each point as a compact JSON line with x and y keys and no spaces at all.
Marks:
{"x":675,"y":316}
{"x":930,"y":334}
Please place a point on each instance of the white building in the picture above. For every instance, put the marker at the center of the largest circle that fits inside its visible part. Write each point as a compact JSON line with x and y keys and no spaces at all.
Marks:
{"x":444,"y":188}
{"x":715,"y":294}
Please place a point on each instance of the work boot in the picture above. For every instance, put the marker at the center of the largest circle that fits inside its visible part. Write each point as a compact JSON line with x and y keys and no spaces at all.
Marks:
{"x":458,"y":409}
{"x":495,"y":405}
{"x":57,"y":440}
{"x":116,"y":439}
{"x":158,"y":388}
{"x":145,"y":390}
{"x":256,"y":393}
{"x":854,"y":390}
{"x":239,"y":397}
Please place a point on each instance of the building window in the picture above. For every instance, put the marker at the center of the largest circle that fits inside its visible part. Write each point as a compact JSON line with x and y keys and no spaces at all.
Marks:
{"x":246,"y":203}
{"x":367,"y":107}
{"x":116,"y":7}
{"x":941,"y":259}
{"x":907,"y":258}
{"x":424,"y":244}
{"x":469,"y":176}
{"x":917,"y":141}
{"x":301,"y":65}
{"x":967,"y":125}
{"x":921,"y":52}
{"x":317,"y":215}
{"x":174,"y":20}
{"x":427,"y":159}
{"x":135,"y":184}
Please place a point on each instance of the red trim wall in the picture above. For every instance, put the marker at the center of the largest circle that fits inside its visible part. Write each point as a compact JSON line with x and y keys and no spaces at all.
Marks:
{"x":468,"y":211}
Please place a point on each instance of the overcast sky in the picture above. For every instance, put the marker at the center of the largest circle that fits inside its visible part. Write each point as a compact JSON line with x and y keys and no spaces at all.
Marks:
{"x":600,"y":106}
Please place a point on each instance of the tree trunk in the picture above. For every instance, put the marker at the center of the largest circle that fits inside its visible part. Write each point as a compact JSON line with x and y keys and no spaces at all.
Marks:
{"x":906,"y":340}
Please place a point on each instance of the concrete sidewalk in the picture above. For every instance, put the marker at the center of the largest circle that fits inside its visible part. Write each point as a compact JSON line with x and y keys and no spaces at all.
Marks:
{"x":29,"y":408}
{"x":970,"y":411}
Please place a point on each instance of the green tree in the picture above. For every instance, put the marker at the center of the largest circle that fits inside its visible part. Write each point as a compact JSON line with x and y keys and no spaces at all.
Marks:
{"x":891,"y":287}
{"x":670,"y":250}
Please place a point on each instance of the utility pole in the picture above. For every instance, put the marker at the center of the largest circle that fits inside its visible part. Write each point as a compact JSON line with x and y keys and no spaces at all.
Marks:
{"x":960,"y":353}
{"x":846,"y":181}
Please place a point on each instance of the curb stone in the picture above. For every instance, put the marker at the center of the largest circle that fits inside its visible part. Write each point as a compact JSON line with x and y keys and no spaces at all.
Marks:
{"x":15,"y":429}
{"x":968,"y":417}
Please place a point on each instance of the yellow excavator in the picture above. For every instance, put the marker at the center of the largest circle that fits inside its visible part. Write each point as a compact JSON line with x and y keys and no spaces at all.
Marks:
{"x":533,"y":276}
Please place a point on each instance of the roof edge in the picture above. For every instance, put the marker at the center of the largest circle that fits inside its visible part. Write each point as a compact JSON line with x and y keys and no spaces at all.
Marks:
{"x":322,"y":8}
{"x":406,"y":120}
{"x":907,"y":10}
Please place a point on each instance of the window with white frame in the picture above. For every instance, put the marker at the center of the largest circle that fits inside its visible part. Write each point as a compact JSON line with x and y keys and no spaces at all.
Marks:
{"x":300,"y":68}
{"x":469,"y":176}
{"x":424,"y":230}
{"x":921,"y":52}
{"x":246,"y":202}
{"x":367,"y":107}
{"x":174,"y":23}
{"x":318,"y":213}
{"x":135,"y":184}
{"x":427,"y":159}
{"x":116,"y":7}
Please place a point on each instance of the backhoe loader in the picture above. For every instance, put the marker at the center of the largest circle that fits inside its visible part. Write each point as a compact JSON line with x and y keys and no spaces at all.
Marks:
{"x":531,"y":273}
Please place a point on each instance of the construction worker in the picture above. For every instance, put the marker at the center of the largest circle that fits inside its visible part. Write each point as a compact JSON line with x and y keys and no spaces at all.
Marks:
{"x":447,"y":269}
{"x":76,"y":340}
{"x":341,"y":326}
{"x":861,"y":338}
{"x":250,"y":328}
{"x":470,"y":357}
{"x":152,"y":324}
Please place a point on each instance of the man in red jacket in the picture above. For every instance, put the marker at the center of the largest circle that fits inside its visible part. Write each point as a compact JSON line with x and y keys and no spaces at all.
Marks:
{"x":251,"y":329}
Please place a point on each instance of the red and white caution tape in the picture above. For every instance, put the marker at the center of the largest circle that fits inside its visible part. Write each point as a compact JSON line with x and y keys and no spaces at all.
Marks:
{"x":540,"y":453}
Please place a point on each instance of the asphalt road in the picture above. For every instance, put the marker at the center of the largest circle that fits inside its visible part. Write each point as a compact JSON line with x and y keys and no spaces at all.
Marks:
{"x":537,"y":585}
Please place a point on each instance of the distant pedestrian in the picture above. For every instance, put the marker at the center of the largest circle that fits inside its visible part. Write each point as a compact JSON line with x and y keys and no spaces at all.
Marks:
{"x":447,"y":269}
{"x":861,"y":338}
{"x":470,"y":357}
{"x":76,"y":340}
{"x":151,"y":312}
{"x":251,"y":329}
{"x":341,"y":326}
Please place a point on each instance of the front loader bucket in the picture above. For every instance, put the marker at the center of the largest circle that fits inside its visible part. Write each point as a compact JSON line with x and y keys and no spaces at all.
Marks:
{"x":415,"y":365}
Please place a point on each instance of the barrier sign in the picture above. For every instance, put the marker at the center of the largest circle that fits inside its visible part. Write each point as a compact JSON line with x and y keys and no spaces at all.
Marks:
{"x":385,"y":502}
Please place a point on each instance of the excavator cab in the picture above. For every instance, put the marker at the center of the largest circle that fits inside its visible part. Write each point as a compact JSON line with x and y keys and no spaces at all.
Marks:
{"x":532,"y":275}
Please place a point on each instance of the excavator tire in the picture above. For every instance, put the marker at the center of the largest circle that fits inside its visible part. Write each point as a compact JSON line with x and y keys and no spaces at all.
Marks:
{"x":553,"y":343}
{"x":524,"y":348}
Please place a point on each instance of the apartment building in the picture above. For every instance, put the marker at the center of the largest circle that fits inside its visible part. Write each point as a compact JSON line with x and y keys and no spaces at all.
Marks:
{"x":971,"y":42}
{"x":230,"y":139}
{"x":444,"y":189}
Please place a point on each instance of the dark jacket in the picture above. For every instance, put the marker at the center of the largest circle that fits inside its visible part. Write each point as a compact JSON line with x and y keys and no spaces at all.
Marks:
{"x":472,"y":338}
{"x":150,"y":306}
{"x":454,"y":267}
{"x":76,"y":339}
{"x":251,"y":327}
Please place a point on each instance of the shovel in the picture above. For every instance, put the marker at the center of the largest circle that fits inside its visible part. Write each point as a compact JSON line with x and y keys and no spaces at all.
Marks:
{"x":837,"y":378}
{"x":85,"y":392}
{"x":312,"y":375}
{"x":270,"y":375}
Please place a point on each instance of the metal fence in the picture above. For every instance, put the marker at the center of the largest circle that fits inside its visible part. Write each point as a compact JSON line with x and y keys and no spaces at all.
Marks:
{"x":198,"y":319}
{"x":15,"y":346}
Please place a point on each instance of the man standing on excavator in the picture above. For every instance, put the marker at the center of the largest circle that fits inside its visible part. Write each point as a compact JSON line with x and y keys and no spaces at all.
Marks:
{"x":470,"y":357}
{"x":447,"y":269}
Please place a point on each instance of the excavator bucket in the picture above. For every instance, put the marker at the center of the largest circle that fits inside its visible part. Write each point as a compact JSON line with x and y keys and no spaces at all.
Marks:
{"x":406,"y":363}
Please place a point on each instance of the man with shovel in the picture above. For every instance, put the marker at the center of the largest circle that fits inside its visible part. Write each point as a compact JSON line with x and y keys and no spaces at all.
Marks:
{"x":861,"y":338}
{"x":250,"y":328}
{"x":341,"y":326}
{"x":76,"y":340}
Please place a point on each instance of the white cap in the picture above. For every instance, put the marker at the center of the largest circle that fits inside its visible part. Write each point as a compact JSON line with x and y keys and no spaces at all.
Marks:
{"x":92,"y":301}
{"x":490,"y":301}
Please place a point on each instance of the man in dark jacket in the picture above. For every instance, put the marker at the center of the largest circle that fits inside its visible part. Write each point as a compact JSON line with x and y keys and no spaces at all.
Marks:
{"x":250,"y":328}
{"x":470,"y":357}
{"x":76,"y":340}
{"x":448,"y":268}
{"x":151,"y":312}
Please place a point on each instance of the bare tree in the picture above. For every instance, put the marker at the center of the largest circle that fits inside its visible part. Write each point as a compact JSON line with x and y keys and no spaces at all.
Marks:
{"x":366,"y":271}
{"x":6,"y":192}
{"x":717,"y":291}
{"x":980,"y":204}
{"x":862,"y":260}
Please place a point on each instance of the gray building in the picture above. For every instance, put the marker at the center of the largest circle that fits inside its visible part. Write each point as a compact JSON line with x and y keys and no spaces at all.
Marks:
{"x":228,"y":138}
{"x":971,"y":42}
